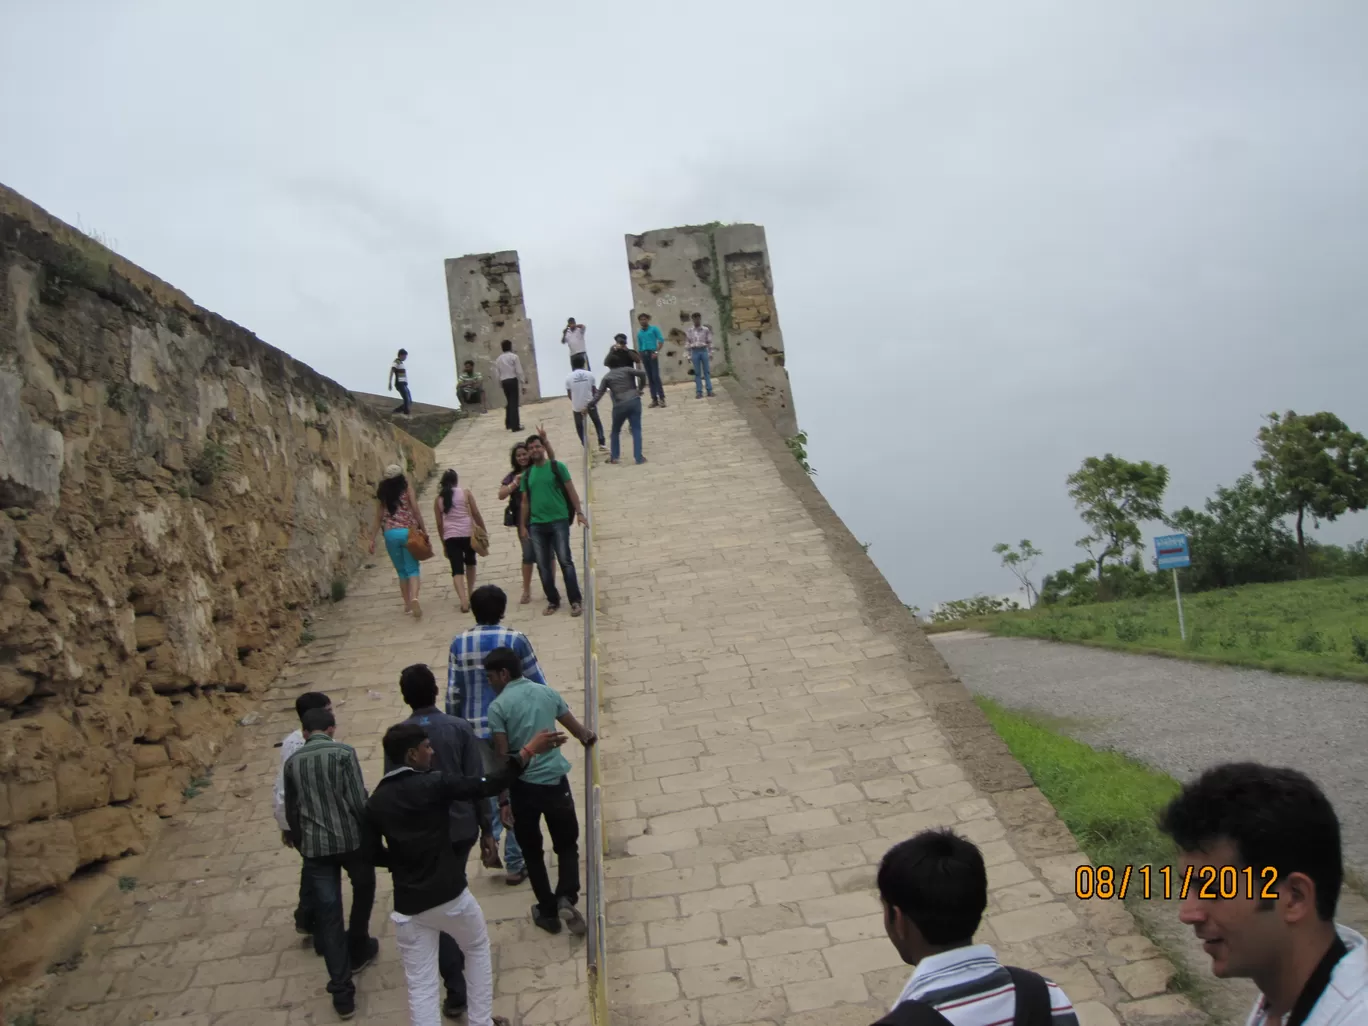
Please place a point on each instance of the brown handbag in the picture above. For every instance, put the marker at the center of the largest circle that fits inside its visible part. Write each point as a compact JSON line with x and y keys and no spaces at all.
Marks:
{"x":479,"y":540}
{"x":420,"y":548}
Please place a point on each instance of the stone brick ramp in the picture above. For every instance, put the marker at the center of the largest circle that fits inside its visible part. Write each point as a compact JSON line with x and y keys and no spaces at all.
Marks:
{"x":768,"y":737}
{"x":206,"y":937}
{"x":772,"y":725}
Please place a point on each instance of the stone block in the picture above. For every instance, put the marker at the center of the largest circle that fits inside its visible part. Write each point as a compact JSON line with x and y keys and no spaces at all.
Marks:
{"x":41,"y":855}
{"x":81,"y":785}
{"x":106,"y":833}
{"x":36,"y":800}
{"x":1143,"y":979}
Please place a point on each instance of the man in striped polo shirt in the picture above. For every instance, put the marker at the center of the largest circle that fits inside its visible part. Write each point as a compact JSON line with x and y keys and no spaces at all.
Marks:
{"x":934,"y":889}
{"x":325,"y":805}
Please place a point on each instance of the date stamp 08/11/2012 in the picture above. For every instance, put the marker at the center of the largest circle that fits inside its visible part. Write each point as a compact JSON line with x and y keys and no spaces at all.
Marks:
{"x":1211,"y":882}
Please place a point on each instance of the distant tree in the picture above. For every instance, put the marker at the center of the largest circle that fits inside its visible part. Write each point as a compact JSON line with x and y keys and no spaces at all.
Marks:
{"x":1313,"y":464}
{"x":1113,"y":496}
{"x":1021,"y":561}
{"x":1240,"y":538}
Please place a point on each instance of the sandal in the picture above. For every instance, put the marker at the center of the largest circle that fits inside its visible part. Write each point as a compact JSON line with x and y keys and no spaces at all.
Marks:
{"x":550,"y":610}
{"x":417,"y":611}
{"x":525,"y":600}
{"x":575,"y":609}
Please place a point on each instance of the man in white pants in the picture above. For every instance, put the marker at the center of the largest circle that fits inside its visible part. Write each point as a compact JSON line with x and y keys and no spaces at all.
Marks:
{"x":409,"y":825}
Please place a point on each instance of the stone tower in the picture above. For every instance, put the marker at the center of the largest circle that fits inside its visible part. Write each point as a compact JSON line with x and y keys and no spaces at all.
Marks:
{"x":485,"y":300}
{"x":723,"y":273}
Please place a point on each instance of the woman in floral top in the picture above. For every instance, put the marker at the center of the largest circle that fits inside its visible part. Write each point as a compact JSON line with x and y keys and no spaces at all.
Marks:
{"x":396,"y":510}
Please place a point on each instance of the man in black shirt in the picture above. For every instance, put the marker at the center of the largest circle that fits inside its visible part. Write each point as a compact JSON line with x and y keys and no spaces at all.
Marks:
{"x":456,"y":751}
{"x":409,"y":814}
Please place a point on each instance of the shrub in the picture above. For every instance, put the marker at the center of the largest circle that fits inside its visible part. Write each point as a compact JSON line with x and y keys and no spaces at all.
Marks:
{"x":339,"y":590}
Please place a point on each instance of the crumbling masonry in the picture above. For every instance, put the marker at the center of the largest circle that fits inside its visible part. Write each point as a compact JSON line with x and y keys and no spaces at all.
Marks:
{"x":485,"y":300}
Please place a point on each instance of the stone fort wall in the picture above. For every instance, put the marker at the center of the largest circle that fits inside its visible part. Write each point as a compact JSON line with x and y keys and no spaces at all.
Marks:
{"x":175,"y":494}
{"x":722,"y":272}
{"x":485,"y":303}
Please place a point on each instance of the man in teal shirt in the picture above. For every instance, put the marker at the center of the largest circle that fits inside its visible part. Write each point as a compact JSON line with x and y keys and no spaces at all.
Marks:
{"x":649,"y":341}
{"x":542,"y":790}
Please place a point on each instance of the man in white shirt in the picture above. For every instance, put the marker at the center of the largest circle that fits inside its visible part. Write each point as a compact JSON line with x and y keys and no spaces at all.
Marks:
{"x":934,"y":889}
{"x":294,"y":742}
{"x":398,"y":379}
{"x":573,"y":336}
{"x":698,"y":341}
{"x":1271,"y":837}
{"x":510,"y":372}
{"x":579,"y":386}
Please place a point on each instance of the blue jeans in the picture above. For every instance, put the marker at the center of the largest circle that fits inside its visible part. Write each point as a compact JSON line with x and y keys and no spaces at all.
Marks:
{"x":513,"y":856}
{"x":650,"y":363}
{"x":404,"y":393}
{"x":630,"y":411}
{"x":551,"y":545}
{"x":702,"y":368}
{"x":341,"y":947}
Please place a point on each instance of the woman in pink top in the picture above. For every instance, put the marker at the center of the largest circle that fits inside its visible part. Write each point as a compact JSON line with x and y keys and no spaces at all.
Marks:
{"x":396,"y":510}
{"x":454,"y":510}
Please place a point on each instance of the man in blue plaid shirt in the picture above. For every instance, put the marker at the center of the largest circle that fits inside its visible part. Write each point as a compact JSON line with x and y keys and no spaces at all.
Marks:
{"x":468,"y":696}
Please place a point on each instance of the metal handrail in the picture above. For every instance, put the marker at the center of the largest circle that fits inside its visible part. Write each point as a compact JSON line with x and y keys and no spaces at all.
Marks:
{"x":595,"y":951}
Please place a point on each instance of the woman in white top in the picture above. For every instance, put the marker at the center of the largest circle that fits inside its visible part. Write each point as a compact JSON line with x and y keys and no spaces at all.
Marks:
{"x":455,"y":511}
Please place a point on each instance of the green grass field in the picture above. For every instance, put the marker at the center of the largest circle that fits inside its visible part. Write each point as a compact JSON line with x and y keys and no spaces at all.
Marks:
{"x":1315,"y":628}
{"x":1108,"y":801}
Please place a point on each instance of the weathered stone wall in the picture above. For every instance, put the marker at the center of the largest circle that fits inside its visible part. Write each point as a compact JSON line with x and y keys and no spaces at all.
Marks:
{"x":722,"y":272}
{"x":485,"y":301}
{"x":175,"y":494}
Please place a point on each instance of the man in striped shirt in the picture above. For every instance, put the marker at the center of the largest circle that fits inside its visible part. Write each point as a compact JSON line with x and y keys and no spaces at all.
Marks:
{"x":468,"y":695}
{"x":934,"y":889}
{"x":325,"y":806}
{"x":292,"y":743}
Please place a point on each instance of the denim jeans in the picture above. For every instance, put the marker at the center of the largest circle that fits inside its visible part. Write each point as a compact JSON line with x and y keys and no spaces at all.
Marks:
{"x":556,"y":804}
{"x":551,"y":545}
{"x":407,"y":404}
{"x":650,"y":363}
{"x":513,"y":857}
{"x":592,"y":414}
{"x":630,"y":412}
{"x":339,"y":946}
{"x":702,"y":368}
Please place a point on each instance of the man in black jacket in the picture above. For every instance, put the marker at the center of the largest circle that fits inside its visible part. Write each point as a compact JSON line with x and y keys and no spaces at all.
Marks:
{"x":410,"y":820}
{"x":456,"y":751}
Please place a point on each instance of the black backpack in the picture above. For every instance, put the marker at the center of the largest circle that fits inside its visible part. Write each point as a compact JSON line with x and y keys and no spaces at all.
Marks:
{"x":1032,"y":1005}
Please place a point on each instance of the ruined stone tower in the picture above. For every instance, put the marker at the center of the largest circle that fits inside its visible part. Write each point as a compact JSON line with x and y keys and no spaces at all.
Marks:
{"x":485,"y":301}
{"x":722,"y":272}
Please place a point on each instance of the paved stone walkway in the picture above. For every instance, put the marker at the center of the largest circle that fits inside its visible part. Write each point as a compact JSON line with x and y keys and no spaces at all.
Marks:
{"x":206,"y":937}
{"x":764,"y":746}
{"x":764,"y":742}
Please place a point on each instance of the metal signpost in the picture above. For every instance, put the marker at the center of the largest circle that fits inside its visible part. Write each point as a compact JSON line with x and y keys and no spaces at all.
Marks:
{"x":1171,"y":553}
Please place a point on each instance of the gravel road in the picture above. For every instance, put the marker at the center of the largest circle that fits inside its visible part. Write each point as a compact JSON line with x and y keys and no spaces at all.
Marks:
{"x":1181,"y":717}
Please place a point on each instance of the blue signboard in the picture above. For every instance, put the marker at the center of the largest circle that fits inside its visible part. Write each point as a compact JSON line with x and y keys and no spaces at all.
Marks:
{"x":1171,"y":552}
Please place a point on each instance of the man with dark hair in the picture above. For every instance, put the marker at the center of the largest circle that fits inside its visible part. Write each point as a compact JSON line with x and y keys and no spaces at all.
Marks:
{"x":522,"y":711}
{"x":456,"y":752}
{"x":573,"y":337}
{"x":470,"y":387}
{"x":579,"y":386}
{"x":649,"y":341}
{"x":398,"y":379}
{"x":548,"y":500}
{"x":510,"y":371}
{"x":325,"y":805}
{"x":1272,"y":837}
{"x":934,"y":888}
{"x":410,"y":823}
{"x":620,"y":346}
{"x":468,"y":694}
{"x":293,"y":742}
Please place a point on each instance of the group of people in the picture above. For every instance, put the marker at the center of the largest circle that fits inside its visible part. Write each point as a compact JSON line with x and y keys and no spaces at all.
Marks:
{"x":490,"y":764}
{"x":542,"y":501}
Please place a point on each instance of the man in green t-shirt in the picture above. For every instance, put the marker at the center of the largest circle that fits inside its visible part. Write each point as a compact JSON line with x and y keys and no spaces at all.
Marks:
{"x":548,"y":500}
{"x":521,"y":710}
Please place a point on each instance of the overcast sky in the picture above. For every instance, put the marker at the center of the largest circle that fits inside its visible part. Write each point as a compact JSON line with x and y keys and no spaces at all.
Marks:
{"x":1005,"y":235}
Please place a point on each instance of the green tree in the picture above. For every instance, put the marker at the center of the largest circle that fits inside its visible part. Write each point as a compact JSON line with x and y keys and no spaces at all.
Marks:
{"x":1021,"y":561}
{"x":1239,"y":538}
{"x":1113,"y":496}
{"x":1313,"y":464}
